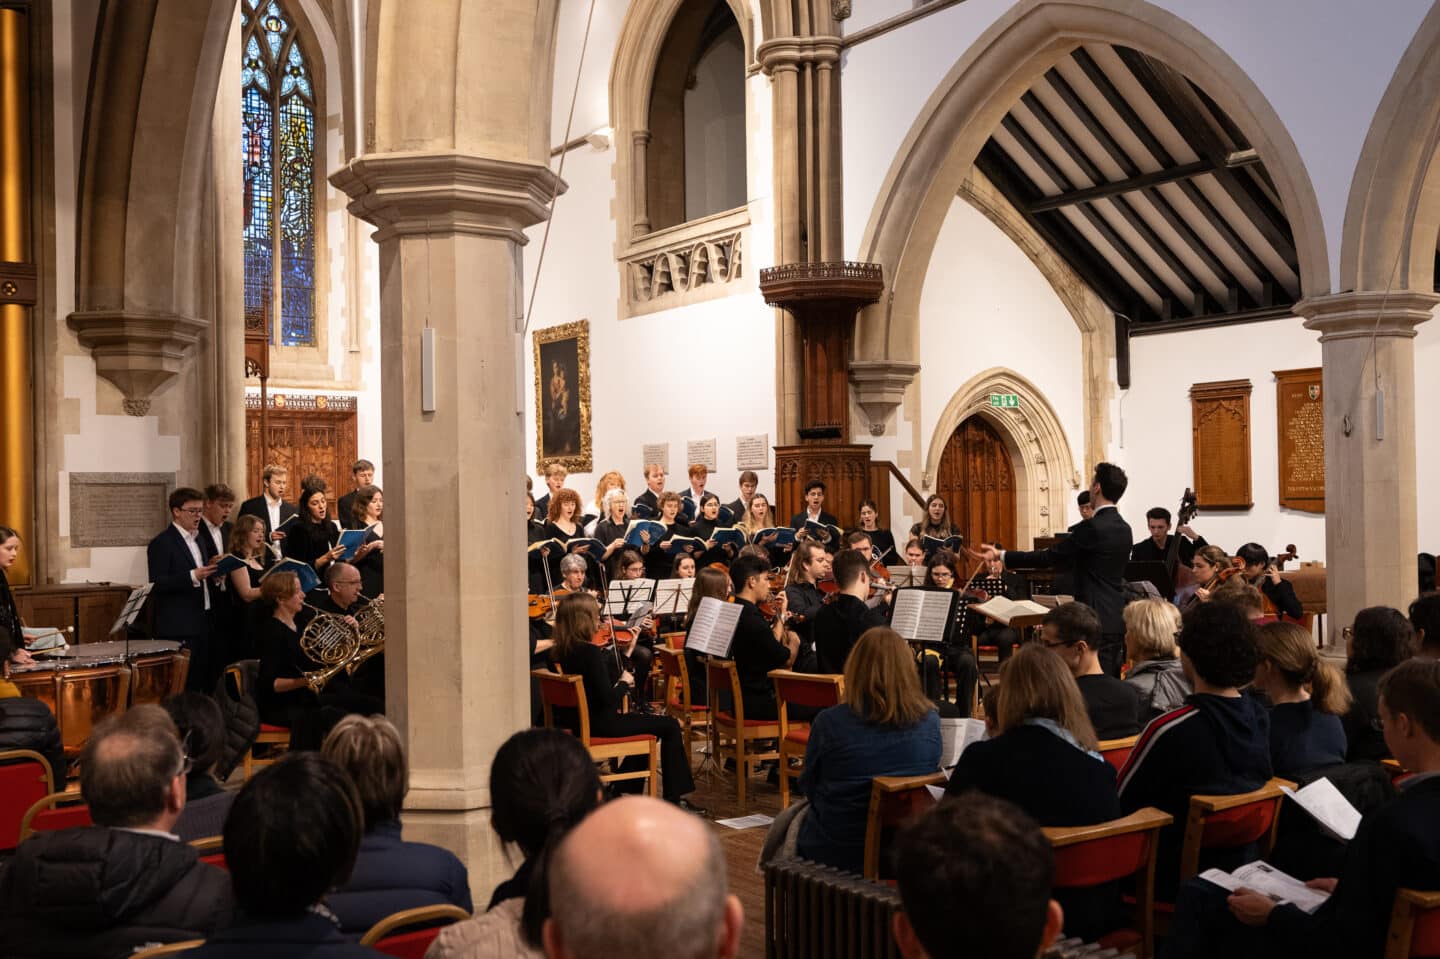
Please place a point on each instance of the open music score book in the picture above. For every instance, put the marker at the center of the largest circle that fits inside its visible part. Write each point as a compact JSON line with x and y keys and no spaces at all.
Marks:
{"x":726,"y":517}
{"x":714,"y":627}
{"x":285,"y":526}
{"x":1267,"y":880}
{"x":956,"y":735}
{"x":906,"y":575}
{"x":228,"y":563}
{"x":784,"y":536}
{"x":685,"y":544}
{"x":933,"y":543}
{"x":629,"y":598}
{"x":351,"y":539}
{"x":729,"y":536}
{"x":308,"y":577}
{"x":672,"y":596}
{"x":924,"y":615}
{"x":1328,"y":807}
{"x":822,"y":532}
{"x":638,"y":526}
{"x":586,"y":546}
{"x":642,"y":511}
{"x":1004,"y":611}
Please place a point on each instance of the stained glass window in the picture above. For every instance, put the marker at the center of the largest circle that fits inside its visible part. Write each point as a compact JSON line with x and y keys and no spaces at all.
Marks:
{"x":278,"y":144}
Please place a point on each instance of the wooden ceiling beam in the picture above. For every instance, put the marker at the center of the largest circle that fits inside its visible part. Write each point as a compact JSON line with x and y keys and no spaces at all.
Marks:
{"x":1116,"y":187}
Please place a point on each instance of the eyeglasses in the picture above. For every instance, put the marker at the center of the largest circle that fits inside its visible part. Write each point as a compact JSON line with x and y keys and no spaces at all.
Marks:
{"x":1055,"y":645}
{"x":186,"y":764}
{"x":192,"y":510}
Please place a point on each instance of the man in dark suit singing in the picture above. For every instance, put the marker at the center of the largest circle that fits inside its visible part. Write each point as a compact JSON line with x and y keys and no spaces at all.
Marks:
{"x":182,"y":595}
{"x":1095,"y":553}
{"x":270,"y":506}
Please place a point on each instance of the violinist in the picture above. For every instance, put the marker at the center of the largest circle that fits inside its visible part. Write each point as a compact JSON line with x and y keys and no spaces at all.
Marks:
{"x":840,"y":622}
{"x":882,"y":540}
{"x":914,"y":553}
{"x":1212,"y":568}
{"x":859,"y":540}
{"x":658,"y":559}
{"x":709,"y":582}
{"x":683,"y":568}
{"x":758,"y":646}
{"x":943,"y":572}
{"x":1262,"y":573}
{"x":610,"y":527}
{"x":639,"y":652}
{"x":994,"y":580}
{"x":808,"y":567}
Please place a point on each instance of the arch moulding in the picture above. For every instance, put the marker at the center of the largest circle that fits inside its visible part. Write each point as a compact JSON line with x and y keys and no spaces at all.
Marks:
{"x":1044,"y":469}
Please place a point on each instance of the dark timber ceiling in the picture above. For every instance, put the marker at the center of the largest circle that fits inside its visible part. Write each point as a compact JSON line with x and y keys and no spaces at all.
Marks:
{"x":1148,"y":190}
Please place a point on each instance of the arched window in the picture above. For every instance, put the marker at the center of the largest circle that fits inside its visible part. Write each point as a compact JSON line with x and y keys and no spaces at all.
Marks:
{"x":278,"y":112}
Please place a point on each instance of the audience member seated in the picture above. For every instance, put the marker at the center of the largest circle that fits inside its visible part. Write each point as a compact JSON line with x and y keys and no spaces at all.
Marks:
{"x":1155,"y":670}
{"x":642,"y":880}
{"x":975,"y":883}
{"x":1425,"y":620}
{"x":1073,"y":632}
{"x":27,"y":723}
{"x":102,"y":891}
{"x":1397,"y":846}
{"x":1218,"y":743}
{"x":885,"y":727}
{"x":291,"y":837}
{"x":1308,"y":695}
{"x":542,"y":783}
{"x":840,"y":622}
{"x":1380,"y":640}
{"x":202,"y":731}
{"x":1043,"y":759}
{"x":390,"y":874}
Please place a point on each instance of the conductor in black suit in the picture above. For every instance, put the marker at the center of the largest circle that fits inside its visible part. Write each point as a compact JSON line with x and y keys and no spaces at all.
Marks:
{"x":1095,"y":552}
{"x":182,"y":595}
{"x":270,"y":506}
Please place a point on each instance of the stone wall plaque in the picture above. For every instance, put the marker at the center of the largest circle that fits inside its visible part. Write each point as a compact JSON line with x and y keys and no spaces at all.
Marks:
{"x":752,"y":452}
{"x":1300,"y":422}
{"x":701,"y":451}
{"x":1220,"y":425}
{"x":656,"y":453}
{"x":118,"y":509}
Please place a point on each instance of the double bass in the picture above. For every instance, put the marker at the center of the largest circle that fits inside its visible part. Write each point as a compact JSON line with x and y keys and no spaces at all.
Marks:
{"x":1180,"y":574}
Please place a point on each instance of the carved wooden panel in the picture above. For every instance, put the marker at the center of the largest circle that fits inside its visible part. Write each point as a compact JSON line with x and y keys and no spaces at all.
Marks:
{"x":1300,"y":426}
{"x":314,"y":438}
{"x":845,"y":471}
{"x":977,"y":480}
{"x":1220,"y":427}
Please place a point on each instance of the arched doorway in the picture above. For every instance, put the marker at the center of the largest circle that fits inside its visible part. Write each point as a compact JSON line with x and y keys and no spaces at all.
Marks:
{"x":977,"y":479}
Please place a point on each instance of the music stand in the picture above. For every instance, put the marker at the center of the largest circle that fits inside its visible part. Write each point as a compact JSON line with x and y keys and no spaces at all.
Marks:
{"x":133,"y":604}
{"x":1154,"y":573}
{"x":672,"y":596}
{"x":629,"y":597}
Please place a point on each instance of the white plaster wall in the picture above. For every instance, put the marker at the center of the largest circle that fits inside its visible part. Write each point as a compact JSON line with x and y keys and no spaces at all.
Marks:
{"x":1427,"y":452}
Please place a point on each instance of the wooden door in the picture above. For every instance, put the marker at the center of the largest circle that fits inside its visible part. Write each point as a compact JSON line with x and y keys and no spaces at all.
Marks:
{"x":314,"y":439}
{"x":977,"y":480}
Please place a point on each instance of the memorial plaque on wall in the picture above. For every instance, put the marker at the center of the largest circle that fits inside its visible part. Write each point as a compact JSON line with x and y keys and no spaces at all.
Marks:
{"x":752,"y":452}
{"x":702,"y":452}
{"x":1220,"y":425}
{"x":1300,"y":422}
{"x":658,"y":453}
{"x":118,"y":509}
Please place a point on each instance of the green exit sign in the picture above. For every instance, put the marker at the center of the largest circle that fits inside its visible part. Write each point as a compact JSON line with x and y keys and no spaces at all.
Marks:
{"x":1005,"y":400}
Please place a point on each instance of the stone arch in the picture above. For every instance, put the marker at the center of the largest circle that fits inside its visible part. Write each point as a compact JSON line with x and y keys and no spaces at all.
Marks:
{"x":969,"y":103}
{"x":1392,"y":217}
{"x":1039,"y":450}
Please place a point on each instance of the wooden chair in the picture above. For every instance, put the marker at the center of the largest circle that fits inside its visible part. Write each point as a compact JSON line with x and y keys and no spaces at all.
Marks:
{"x":1226,"y":822}
{"x":675,"y":694}
{"x":387,"y":935}
{"x":568,"y":692}
{"x":802,"y":689}
{"x":1087,"y":856}
{"x":1117,"y":751}
{"x":894,"y":801}
{"x":276,"y":737}
{"x":1414,"y":925}
{"x":54,"y":812}
{"x":169,"y":949}
{"x":732,"y":730}
{"x":25,"y":778}
{"x":212,"y":850}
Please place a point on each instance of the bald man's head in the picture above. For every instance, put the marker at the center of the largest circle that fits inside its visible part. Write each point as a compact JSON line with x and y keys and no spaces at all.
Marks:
{"x":641,"y":878}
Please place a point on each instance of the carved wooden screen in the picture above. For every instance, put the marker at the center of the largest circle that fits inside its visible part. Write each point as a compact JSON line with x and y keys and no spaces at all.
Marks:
{"x":1300,"y":423}
{"x":316,"y":437}
{"x":977,"y":480}
{"x":1220,"y":424}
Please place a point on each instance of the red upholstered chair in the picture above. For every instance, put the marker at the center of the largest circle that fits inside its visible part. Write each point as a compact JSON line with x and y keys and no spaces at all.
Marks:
{"x":212,"y":850}
{"x":169,"y":949}
{"x":389,"y":935}
{"x":54,"y":812}
{"x":1116,"y":751}
{"x":25,"y":778}
{"x":675,"y":693}
{"x":731,"y":730}
{"x":1087,"y":856}
{"x":1228,"y":822}
{"x":276,"y":737}
{"x":1414,"y":925}
{"x":894,"y":801}
{"x":568,"y":692}
{"x":800,"y":689}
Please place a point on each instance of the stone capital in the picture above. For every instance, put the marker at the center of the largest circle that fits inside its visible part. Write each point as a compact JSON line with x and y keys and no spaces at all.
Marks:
{"x":787,"y":53}
{"x":880,"y":388}
{"x":1366,"y":313}
{"x":417,"y":194}
{"x":137,"y":351}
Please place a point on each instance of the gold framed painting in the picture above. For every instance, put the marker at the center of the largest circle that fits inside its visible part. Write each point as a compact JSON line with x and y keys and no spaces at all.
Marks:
{"x":562,"y":397}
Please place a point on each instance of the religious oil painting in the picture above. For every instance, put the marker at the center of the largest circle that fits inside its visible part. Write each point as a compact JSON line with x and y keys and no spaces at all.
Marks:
{"x":562,"y":397}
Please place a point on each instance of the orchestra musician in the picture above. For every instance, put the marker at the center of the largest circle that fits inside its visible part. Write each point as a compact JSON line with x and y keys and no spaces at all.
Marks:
{"x":716,"y":585}
{"x":882,"y":539}
{"x":312,"y":537}
{"x":1156,"y":547}
{"x":9,"y":614}
{"x":808,"y":566}
{"x":641,"y":652}
{"x":943,"y":572}
{"x":840,"y":623}
{"x":1082,"y":500}
{"x":914,"y":552}
{"x":1209,"y":565}
{"x":647,"y":505}
{"x":341,"y":595}
{"x":759,"y":646}
{"x":995,"y":580}
{"x":1262,"y":573}
{"x":749,"y":483}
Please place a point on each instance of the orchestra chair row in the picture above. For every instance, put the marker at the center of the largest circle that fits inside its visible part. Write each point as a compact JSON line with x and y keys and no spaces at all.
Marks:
{"x":25,"y":778}
{"x":1088,"y":856}
{"x":815,"y":690}
{"x":212,"y":851}
{"x":1414,"y":925}
{"x":894,"y":801}
{"x":675,"y":693}
{"x":54,"y":812}
{"x":558,"y":691}
{"x":394,"y":935}
{"x":746,"y":739}
{"x":1117,"y":751}
{"x":1231,"y":822}
{"x":244,"y":675}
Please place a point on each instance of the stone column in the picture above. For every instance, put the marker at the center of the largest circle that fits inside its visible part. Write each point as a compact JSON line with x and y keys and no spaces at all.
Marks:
{"x":1367,"y":346}
{"x":457,"y":659}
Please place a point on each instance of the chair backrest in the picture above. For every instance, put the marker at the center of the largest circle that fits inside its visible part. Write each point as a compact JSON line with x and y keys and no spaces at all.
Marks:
{"x":564,"y":692}
{"x":1414,"y":925}
{"x":817,"y":690}
{"x":55,"y":812}
{"x":1091,"y":855}
{"x":169,"y":949}
{"x":674,"y":640}
{"x":894,"y":800}
{"x":674,"y":677}
{"x":720,"y":674}
{"x":1117,"y":751}
{"x":388,"y":935}
{"x":25,"y":777}
{"x":1228,"y":822}
{"x":212,"y":851}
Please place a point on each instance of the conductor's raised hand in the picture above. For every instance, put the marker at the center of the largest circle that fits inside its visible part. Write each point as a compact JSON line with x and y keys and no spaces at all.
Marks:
{"x":985,"y":554}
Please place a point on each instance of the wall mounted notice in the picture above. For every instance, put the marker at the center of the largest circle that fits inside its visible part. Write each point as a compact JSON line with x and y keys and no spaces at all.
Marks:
{"x":752,"y":452}
{"x":656,"y":453}
{"x":701,"y":451}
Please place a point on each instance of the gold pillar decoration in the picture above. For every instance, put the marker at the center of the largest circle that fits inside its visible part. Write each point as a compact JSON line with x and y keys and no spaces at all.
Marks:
{"x":17,"y":291}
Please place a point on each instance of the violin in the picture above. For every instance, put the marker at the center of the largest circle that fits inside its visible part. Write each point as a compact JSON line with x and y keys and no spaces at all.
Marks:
{"x":611,"y":635}
{"x":541,"y":605}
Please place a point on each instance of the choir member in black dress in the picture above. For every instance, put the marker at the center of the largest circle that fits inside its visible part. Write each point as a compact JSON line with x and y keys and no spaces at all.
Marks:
{"x":247,"y":542}
{"x":760,"y":516}
{"x":704,"y":527}
{"x":576,"y":620}
{"x":658,"y":560}
{"x":936,"y":522}
{"x":311,"y":538}
{"x":563,"y":523}
{"x":368,"y":510}
{"x":610,"y":527}
{"x":9,"y":615}
{"x":882,"y":540}
{"x":597,"y":510}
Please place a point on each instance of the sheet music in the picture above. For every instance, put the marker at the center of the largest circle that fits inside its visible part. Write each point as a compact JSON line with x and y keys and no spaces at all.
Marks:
{"x":1265,"y":878}
{"x":714,"y":627}
{"x":956,"y":735}
{"x":922,"y":615}
{"x":625,"y":596}
{"x":672,"y":596}
{"x":133,"y":604}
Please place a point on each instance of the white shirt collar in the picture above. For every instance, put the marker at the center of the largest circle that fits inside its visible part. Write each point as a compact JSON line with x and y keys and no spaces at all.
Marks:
{"x":181,"y":530}
{"x":149,"y":832}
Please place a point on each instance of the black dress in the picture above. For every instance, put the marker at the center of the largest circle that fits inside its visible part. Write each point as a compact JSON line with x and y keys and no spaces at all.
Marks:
{"x":884,"y":542}
{"x":308,"y":715}
{"x":244,"y":620}
{"x":9,"y":615}
{"x":307,"y":541}
{"x":372,"y":569}
{"x":659,"y":561}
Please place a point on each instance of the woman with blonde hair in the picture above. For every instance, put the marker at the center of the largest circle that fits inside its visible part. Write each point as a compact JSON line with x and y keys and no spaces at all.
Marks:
{"x":1309,"y":697}
{"x":885,"y":727}
{"x":599,"y":509}
{"x":1155,"y":670}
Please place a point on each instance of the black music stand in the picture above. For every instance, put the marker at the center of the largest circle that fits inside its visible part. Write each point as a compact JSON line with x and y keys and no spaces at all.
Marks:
{"x":1154,"y":573}
{"x":126,"y":620}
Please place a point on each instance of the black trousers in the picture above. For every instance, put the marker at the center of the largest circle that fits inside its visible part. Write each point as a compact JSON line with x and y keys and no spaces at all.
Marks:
{"x":1112,"y":653}
{"x":676,"y":779}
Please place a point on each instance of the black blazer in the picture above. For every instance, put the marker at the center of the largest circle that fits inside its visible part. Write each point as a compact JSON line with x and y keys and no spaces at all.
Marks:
{"x":256,"y":507}
{"x":1095,"y":552}
{"x":650,"y":501}
{"x":801,"y":518}
{"x":177,"y":605}
{"x":345,"y":511}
